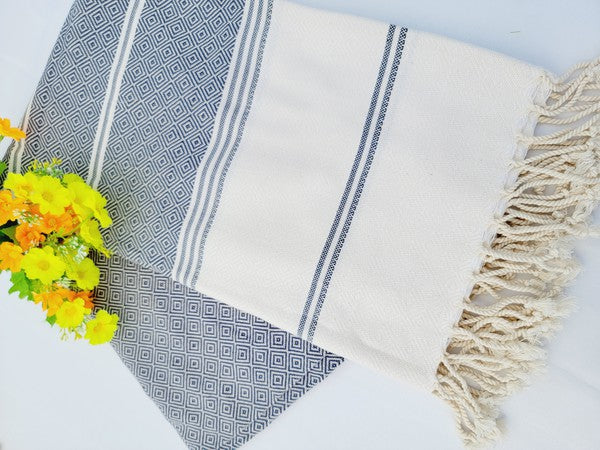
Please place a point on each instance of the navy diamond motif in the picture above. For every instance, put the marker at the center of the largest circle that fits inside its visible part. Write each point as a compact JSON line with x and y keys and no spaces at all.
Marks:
{"x":69,"y":96}
{"x":219,"y":375}
{"x":208,"y":367}
{"x":171,"y":90}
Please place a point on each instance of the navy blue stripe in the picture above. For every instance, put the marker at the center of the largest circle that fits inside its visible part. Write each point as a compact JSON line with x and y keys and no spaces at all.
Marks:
{"x":361,"y":184}
{"x":196,"y":230}
{"x":236,"y":144}
{"x":350,"y":182}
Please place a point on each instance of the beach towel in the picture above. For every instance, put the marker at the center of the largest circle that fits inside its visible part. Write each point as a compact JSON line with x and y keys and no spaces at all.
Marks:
{"x":218,"y":375}
{"x":395,"y":197}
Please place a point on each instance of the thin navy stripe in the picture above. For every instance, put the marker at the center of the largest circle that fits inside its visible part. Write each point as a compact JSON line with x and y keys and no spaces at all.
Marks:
{"x":237,"y":140}
{"x":192,"y":235}
{"x":120,"y":60}
{"x":232,"y":150}
{"x":350,"y":181}
{"x":186,"y":233}
{"x":361,"y":184}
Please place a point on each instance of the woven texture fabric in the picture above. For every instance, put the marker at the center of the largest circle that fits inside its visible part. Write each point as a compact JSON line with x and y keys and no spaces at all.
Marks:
{"x":218,"y":375}
{"x":345,"y":187}
{"x":375,"y":190}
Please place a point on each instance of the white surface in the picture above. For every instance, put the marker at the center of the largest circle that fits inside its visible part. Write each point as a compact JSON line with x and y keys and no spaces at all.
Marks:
{"x":57,"y":396}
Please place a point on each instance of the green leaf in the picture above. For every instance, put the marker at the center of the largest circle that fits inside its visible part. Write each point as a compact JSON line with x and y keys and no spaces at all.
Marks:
{"x":9,"y":231}
{"x":51,"y":319}
{"x":21,"y":285}
{"x":2,"y":165}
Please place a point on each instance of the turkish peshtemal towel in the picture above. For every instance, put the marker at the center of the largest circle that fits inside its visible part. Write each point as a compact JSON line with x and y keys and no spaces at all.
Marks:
{"x":381,"y":192}
{"x":219,"y":375}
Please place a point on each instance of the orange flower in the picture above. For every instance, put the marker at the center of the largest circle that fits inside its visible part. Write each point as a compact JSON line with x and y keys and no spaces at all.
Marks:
{"x":10,"y":208}
{"x":10,"y":256}
{"x":69,"y":295}
{"x":11,"y":132}
{"x":51,"y":301}
{"x":66,"y":294}
{"x":87,"y":298}
{"x":29,"y":235}
{"x":35,"y":209}
{"x":63,"y":224}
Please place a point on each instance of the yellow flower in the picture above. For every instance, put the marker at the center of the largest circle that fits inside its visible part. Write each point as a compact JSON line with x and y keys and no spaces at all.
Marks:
{"x":21,"y":185}
{"x":96,"y":202}
{"x":71,"y":314}
{"x":81,"y":194}
{"x":43,"y":265}
{"x":50,"y":195}
{"x":69,"y":178}
{"x":11,"y":132}
{"x":11,"y":256}
{"x":87,"y":202}
{"x":102,"y":328}
{"x":90,"y":232}
{"x":85,"y":274}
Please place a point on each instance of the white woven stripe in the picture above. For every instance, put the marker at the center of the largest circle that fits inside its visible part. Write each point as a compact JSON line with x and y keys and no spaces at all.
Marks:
{"x":109,"y":105}
{"x":16,"y":156}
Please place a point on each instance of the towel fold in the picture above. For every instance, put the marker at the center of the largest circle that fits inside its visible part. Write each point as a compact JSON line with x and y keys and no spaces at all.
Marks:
{"x":218,"y":375}
{"x":381,"y":192}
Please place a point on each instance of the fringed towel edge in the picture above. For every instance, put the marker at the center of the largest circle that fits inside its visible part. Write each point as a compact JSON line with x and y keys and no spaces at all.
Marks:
{"x":517,"y":299}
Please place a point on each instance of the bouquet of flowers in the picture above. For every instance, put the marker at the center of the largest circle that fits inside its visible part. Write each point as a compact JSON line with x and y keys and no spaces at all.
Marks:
{"x":49,"y":221}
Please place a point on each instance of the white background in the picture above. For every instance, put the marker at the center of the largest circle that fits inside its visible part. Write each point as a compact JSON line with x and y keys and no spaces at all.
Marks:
{"x":67,"y":396}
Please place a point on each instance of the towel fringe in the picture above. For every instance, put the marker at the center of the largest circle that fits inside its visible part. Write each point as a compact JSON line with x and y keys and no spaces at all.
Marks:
{"x":517,"y":298}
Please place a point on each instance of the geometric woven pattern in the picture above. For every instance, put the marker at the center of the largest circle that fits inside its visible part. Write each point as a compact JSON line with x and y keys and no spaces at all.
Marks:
{"x":170,"y":92}
{"x":219,"y":375}
{"x":68,"y":99}
{"x":168,"y":101}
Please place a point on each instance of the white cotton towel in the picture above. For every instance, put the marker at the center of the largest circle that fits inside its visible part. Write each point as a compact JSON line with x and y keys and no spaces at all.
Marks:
{"x":365,"y":182}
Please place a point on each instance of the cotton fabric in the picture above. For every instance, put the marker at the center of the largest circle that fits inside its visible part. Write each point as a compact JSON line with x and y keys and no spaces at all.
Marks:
{"x":358,"y":184}
{"x":218,"y":375}
{"x":343,"y":179}
{"x":339,"y":201}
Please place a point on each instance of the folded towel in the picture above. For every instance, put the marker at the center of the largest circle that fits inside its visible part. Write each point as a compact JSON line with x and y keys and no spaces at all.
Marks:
{"x":381,"y":192}
{"x":218,"y":375}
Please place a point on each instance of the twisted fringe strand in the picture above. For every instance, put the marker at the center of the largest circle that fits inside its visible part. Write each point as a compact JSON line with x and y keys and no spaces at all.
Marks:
{"x":517,"y":300}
